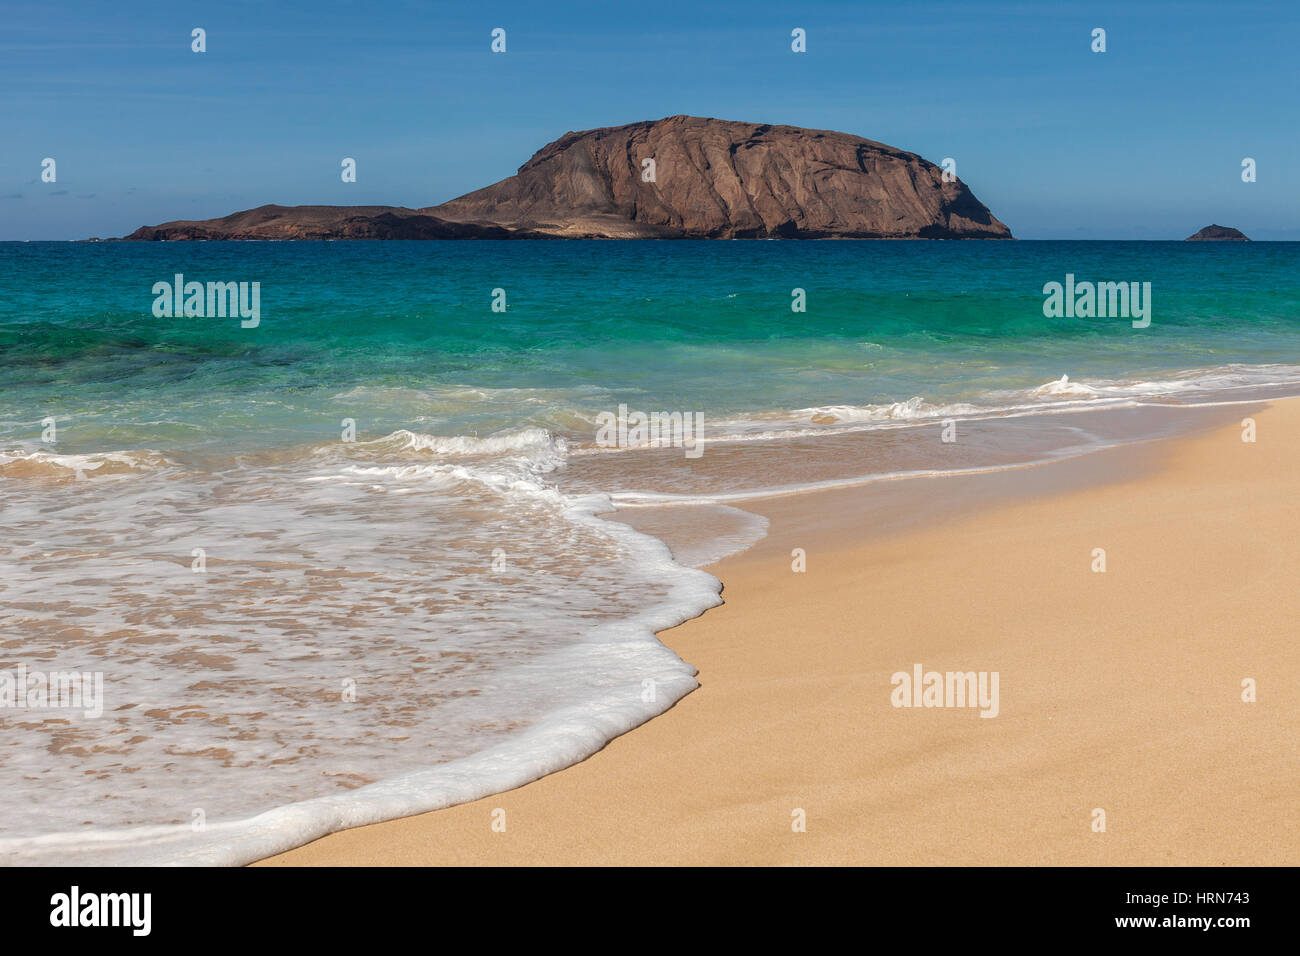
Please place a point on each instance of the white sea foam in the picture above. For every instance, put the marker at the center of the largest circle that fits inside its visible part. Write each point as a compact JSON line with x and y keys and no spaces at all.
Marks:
{"x":372,"y":563}
{"x":1058,"y":396}
{"x":664,"y":499}
{"x":375,"y":562}
{"x":31,"y":462}
{"x":1063,"y":386}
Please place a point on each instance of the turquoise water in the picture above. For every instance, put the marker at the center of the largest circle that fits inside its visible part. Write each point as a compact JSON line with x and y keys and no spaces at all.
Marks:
{"x":700,"y":326}
{"x":303,"y":624}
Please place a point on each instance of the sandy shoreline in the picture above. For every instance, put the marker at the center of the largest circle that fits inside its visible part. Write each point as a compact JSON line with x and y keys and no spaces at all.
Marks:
{"x":1119,"y":690}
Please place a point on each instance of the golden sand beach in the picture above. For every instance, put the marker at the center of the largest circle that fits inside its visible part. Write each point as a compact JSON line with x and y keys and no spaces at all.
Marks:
{"x":1118,"y":690}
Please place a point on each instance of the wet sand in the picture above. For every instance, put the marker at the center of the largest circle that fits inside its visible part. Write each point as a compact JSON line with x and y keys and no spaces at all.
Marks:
{"x":1118,"y":691}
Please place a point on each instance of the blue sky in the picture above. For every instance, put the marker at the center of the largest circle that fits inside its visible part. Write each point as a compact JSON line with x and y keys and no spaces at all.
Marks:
{"x":1143,"y":141}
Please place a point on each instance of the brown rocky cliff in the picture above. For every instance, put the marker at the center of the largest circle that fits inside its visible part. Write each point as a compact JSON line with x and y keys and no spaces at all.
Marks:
{"x":722,"y":180}
{"x":714,"y":179}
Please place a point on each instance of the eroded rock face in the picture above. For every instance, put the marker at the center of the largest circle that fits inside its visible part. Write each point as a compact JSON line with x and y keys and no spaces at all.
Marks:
{"x":722,"y":180}
{"x":1220,"y":233}
{"x":712,"y":179}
